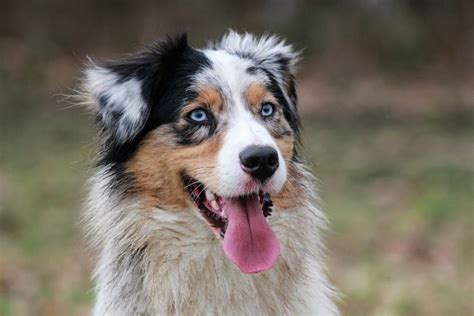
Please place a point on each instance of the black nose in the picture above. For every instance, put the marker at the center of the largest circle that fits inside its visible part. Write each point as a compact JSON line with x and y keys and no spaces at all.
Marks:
{"x":260,"y":162}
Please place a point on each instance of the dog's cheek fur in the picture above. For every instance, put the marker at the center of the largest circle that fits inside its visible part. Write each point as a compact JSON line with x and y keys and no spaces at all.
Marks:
{"x":256,"y":95}
{"x":281,"y":131}
{"x":291,"y":194}
{"x":160,"y":162}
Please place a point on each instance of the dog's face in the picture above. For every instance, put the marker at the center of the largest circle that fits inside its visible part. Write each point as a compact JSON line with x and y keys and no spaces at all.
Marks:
{"x":209,"y":131}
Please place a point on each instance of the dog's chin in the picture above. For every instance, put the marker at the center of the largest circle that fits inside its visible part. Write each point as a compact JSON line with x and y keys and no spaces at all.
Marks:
{"x":240,"y":222}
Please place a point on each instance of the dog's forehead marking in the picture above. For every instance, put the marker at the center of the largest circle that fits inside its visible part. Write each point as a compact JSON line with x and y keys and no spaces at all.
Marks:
{"x":230,"y":74}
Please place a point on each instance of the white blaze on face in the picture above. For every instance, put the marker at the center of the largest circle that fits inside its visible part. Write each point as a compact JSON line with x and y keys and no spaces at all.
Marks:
{"x":243,"y":129}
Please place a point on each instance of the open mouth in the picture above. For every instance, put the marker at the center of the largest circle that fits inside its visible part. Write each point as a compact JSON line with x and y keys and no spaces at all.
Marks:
{"x":211,"y":205}
{"x":241,"y":222}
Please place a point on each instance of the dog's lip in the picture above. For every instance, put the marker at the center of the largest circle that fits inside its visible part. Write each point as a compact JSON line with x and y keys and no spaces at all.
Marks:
{"x":249,"y":189}
{"x":210,"y":204}
{"x":241,"y":224}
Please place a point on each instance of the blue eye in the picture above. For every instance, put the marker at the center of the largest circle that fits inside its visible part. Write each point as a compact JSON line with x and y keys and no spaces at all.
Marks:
{"x":267,"y":109}
{"x":198,"y":115}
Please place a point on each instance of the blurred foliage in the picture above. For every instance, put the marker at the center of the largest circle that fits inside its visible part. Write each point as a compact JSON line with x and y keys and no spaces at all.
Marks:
{"x":394,"y":35}
{"x":386,"y":92}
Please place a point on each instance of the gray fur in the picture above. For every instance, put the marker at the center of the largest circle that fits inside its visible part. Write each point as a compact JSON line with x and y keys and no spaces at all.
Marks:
{"x":159,"y":262}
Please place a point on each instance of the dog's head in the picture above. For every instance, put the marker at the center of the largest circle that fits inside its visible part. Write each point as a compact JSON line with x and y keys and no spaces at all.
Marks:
{"x":211,"y":131}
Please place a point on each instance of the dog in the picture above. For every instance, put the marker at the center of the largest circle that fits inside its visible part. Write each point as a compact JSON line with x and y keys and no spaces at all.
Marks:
{"x":201,"y":203}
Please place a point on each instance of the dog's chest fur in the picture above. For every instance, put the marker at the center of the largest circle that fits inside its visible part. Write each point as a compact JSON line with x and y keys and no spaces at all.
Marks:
{"x":157,"y":262}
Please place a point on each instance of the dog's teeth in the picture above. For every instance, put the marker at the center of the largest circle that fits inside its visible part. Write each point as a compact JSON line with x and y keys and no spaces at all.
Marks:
{"x":214,"y":205}
{"x":209,"y":196}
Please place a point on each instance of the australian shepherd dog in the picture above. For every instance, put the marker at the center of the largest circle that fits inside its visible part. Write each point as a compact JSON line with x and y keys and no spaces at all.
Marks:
{"x":201,"y":203}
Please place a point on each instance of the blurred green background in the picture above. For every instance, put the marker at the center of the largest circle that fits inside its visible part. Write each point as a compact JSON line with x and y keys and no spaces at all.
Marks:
{"x":386,"y":92}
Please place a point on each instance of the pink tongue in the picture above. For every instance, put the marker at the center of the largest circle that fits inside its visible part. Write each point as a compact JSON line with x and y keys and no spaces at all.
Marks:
{"x":249,"y":241}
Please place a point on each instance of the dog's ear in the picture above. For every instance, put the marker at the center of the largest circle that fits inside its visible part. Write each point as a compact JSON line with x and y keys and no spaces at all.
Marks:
{"x":120,"y":91}
{"x":119,"y":102}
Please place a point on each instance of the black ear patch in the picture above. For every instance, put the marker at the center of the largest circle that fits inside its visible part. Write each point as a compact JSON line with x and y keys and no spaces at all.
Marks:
{"x":139,"y":93}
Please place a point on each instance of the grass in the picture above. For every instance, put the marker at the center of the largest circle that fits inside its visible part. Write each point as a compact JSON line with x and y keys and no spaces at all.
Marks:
{"x":400,"y":202}
{"x":398,"y":196}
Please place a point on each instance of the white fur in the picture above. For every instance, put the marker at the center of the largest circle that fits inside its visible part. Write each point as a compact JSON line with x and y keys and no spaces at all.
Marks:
{"x":183,"y":270}
{"x":265,"y":50}
{"x":229,"y":74}
{"x":123,"y":97}
{"x":244,"y":130}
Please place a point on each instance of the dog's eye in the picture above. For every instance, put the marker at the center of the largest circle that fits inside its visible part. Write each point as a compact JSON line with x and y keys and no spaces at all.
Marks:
{"x":267,"y":109}
{"x":198,"y":115}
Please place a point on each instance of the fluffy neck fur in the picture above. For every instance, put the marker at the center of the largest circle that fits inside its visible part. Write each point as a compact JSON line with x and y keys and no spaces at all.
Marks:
{"x":159,"y":262}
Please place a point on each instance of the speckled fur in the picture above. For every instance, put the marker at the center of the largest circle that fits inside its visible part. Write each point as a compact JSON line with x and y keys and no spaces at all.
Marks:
{"x":158,"y":257}
{"x":158,"y":262}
